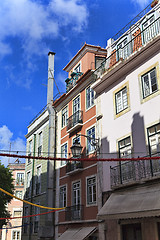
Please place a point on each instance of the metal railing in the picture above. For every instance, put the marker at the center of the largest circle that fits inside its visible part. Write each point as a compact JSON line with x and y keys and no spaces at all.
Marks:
{"x":132,"y":22}
{"x":74,"y":213}
{"x":121,"y":53}
{"x":74,"y":165}
{"x":73,"y":120}
{"x":134,"y":171}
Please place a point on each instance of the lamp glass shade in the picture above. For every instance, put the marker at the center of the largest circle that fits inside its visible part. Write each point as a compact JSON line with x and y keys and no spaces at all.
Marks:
{"x":76,"y":149}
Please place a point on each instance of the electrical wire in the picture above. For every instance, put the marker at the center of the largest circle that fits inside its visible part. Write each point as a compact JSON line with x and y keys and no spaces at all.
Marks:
{"x":15,"y":226}
{"x":33,"y":204}
{"x":34,"y":215}
{"x":80,"y":159}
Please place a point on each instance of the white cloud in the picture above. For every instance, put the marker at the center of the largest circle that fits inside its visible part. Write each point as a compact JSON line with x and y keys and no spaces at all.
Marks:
{"x":7,"y":142}
{"x":32,"y":22}
{"x":142,"y":3}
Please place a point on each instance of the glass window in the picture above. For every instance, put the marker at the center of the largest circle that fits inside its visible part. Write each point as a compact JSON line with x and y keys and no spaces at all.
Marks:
{"x":78,"y":68}
{"x":76,"y":193}
{"x":91,"y":190}
{"x":36,"y":219}
{"x":19,"y":194}
{"x":63,"y":153}
{"x":17,"y":213}
{"x":40,"y":144}
{"x":62,"y":196}
{"x":38,"y":180}
{"x":154,"y":138}
{"x":76,"y":104}
{"x":20,"y":179}
{"x":149,"y":83}
{"x":16,"y":235}
{"x":64,"y":116}
{"x":90,"y":139}
{"x":121,"y":100}
{"x":30,"y":150}
{"x":123,"y":49}
{"x":125,"y":147}
{"x":89,"y":97}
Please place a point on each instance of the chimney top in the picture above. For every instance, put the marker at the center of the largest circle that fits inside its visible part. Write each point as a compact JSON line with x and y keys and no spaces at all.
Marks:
{"x":51,"y":53}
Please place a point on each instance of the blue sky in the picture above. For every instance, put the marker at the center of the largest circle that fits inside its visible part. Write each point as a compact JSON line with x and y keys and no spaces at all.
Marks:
{"x":29,"y":29}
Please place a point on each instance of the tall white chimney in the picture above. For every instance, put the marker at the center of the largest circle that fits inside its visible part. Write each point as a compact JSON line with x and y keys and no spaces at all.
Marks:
{"x":50,"y":77}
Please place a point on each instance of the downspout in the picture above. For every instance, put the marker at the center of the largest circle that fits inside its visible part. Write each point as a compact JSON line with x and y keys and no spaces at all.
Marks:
{"x":31,"y":222}
{"x":54,"y":177}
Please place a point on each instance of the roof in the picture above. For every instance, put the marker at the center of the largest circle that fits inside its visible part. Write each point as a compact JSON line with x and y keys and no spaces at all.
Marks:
{"x":132,"y":203}
{"x":85,"y":48}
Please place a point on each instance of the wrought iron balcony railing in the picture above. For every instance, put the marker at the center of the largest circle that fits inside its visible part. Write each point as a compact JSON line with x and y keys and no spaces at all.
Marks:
{"x":134,"y":171}
{"x":74,"y":166}
{"x":139,"y":39}
{"x":71,"y":82}
{"x":75,"y":120}
{"x":74,"y":213}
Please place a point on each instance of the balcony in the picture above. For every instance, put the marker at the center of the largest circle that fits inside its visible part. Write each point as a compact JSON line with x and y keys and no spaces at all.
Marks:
{"x":74,"y":213}
{"x":120,"y":52}
{"x":71,"y":82}
{"x":134,"y":171}
{"x":75,"y":121}
{"x":74,"y":167}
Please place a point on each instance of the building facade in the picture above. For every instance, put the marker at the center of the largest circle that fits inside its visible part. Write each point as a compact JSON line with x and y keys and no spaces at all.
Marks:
{"x":12,"y":231}
{"x":77,"y":120}
{"x":128,"y":86}
{"x":39,"y":174}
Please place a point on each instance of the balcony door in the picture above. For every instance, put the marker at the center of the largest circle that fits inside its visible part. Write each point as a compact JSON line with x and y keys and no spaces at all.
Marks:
{"x":76,"y":108}
{"x":76,"y":193}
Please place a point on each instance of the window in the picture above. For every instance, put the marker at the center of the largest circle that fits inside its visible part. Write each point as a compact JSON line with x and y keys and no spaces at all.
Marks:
{"x":28,"y":184}
{"x":20,"y":179}
{"x":62,"y":197}
{"x":91,"y":190}
{"x":154,"y":138}
{"x":64,"y":116}
{"x":89,"y":97}
{"x":90,"y":140}
{"x":76,"y":193}
{"x":36,"y":219}
{"x":76,"y":104}
{"x":149,"y":83}
{"x":40,"y":144}
{"x":63,"y":153}
{"x":38,"y":180}
{"x":124,"y":147}
{"x":26,"y":220}
{"x":78,"y":68}
{"x":30,"y":151}
{"x":19,"y":194}
{"x":122,"y":49}
{"x":121,"y":100}
{"x":17,"y":213}
{"x":149,"y":30}
{"x":16,"y":235}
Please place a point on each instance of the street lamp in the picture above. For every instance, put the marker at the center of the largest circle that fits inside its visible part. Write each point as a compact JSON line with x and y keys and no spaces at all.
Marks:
{"x":76,"y":149}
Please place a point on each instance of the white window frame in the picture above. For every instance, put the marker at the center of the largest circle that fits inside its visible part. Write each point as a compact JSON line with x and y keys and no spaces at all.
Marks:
{"x":77,"y":67}
{"x":149,"y":83}
{"x":16,"y":234}
{"x":21,"y":179}
{"x":18,"y":194}
{"x":90,"y":100}
{"x":63,"y":194}
{"x":64,"y":154}
{"x":75,"y":182}
{"x":38,"y":178}
{"x":40,"y":141}
{"x":64,"y":116}
{"x":30,"y":150}
{"x":87,"y":191}
{"x":120,"y":101}
{"x":92,"y":148}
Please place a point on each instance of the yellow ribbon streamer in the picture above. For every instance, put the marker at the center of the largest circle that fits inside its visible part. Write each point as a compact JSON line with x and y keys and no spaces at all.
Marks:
{"x":36,"y":205}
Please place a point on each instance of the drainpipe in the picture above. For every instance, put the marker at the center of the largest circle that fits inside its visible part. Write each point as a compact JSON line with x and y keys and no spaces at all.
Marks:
{"x":32,"y":183}
{"x":51,"y":146}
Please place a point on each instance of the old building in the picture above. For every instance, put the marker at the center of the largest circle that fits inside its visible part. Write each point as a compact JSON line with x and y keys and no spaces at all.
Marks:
{"x":39,"y":174}
{"x":128,"y":87}
{"x":12,"y":231}
{"x":77,"y":123}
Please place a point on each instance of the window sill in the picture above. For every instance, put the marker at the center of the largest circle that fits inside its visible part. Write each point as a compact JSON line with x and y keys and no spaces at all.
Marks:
{"x":122,"y":112}
{"x":152,"y":95}
{"x":87,"y":109}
